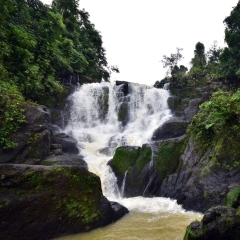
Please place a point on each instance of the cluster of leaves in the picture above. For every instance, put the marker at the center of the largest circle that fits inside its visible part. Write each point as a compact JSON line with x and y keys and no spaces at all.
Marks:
{"x":217,"y":120}
{"x":11,"y":113}
{"x":39,"y":45}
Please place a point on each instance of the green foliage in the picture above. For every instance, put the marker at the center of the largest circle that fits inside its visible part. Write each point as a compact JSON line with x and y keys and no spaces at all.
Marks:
{"x":192,"y":234}
{"x":172,"y":61}
{"x":216,"y":115}
{"x":230,"y":58}
{"x":233,"y":197}
{"x":40,"y":45}
{"x":217,"y":125}
{"x":11,"y":113}
{"x":145,"y":156}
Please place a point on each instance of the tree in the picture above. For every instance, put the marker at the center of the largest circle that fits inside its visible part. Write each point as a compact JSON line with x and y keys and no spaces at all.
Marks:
{"x":172,"y":61}
{"x":212,"y":67}
{"x":230,"y":57}
{"x":199,"y":59}
{"x":214,"y":53}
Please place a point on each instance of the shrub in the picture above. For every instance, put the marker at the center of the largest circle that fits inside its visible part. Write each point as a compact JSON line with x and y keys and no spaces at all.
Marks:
{"x":11,"y":113}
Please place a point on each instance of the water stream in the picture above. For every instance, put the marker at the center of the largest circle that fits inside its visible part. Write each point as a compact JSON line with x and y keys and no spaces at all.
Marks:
{"x":105,"y":116}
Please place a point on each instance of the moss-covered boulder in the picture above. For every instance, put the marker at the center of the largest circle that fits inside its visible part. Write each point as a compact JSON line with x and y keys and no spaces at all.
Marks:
{"x":38,"y":202}
{"x":123,"y":158}
{"x":140,"y":171}
{"x":221,"y":222}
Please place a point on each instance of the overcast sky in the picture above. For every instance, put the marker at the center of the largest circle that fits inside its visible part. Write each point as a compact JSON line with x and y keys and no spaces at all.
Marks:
{"x":137,"y":33}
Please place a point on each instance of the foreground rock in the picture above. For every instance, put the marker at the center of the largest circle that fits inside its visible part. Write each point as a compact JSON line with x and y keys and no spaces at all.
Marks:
{"x":38,"y":202}
{"x":221,"y":222}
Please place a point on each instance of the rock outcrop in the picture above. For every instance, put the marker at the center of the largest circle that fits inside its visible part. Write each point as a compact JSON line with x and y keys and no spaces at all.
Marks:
{"x":140,"y":171}
{"x":39,"y":202}
{"x":33,"y":138}
{"x":220,"y":222}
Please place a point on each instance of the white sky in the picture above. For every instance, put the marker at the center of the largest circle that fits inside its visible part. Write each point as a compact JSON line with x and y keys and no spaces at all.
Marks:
{"x":137,"y":33}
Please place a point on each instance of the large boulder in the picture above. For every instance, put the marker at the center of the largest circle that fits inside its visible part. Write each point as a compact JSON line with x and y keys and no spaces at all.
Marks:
{"x":39,"y":202}
{"x":221,"y":222}
{"x":173,"y":128}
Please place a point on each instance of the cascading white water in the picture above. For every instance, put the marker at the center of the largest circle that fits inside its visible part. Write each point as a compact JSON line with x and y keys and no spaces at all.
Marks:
{"x":96,"y":129}
{"x":96,"y":122}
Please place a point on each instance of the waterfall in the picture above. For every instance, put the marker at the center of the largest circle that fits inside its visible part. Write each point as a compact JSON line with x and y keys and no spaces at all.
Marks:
{"x":104,"y":116}
{"x":123,"y":184}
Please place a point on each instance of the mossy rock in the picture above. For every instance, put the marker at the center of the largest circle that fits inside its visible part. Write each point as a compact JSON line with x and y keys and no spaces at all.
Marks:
{"x":46,"y":202}
{"x":123,"y":158}
{"x":220,"y":222}
{"x":168,"y":157}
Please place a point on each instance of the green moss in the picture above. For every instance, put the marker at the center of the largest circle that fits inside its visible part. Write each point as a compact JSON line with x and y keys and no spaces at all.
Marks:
{"x":169,"y":157}
{"x":190,"y":235}
{"x":233,"y":197}
{"x":105,"y":101}
{"x":238,"y":212}
{"x":124,"y":157}
{"x":206,"y":169}
{"x":145,"y":156}
{"x":123,"y":111}
{"x":205,"y":194}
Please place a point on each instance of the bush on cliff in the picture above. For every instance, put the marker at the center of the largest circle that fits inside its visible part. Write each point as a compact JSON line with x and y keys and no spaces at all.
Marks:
{"x":217,"y":125}
{"x":11,"y":113}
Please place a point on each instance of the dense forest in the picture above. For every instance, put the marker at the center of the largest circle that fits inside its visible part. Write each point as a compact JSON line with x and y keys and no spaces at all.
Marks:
{"x":40,"y":46}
